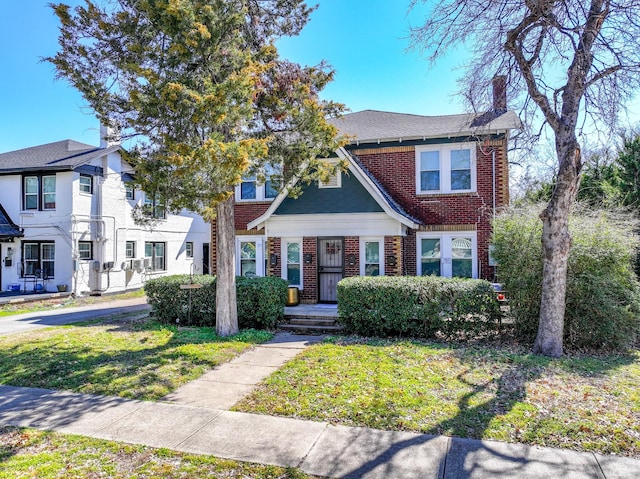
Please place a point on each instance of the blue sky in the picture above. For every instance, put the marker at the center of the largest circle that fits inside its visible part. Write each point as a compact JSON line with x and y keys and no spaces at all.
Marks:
{"x":366,"y":47}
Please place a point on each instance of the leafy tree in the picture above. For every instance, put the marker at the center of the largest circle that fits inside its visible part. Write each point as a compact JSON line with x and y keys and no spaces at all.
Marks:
{"x":572,"y":58}
{"x":200,"y":84}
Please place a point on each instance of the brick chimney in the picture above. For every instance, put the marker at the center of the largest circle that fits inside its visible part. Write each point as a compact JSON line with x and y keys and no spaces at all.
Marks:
{"x":500,"y":93}
{"x":109,"y":136}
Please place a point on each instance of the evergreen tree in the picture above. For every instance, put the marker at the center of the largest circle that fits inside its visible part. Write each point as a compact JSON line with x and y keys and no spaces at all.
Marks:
{"x":200,"y":84}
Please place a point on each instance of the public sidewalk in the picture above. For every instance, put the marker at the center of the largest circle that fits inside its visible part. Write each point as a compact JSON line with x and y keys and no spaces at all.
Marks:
{"x":195,"y":419}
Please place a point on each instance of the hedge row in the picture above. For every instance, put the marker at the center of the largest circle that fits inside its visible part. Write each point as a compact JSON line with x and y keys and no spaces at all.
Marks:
{"x":260,"y":300}
{"x":418,"y":307}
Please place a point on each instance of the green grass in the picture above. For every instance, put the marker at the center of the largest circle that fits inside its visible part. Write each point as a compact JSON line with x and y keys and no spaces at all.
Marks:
{"x":138,"y":359}
{"x":584,"y":403}
{"x":32,"y":306}
{"x":26,"y":453}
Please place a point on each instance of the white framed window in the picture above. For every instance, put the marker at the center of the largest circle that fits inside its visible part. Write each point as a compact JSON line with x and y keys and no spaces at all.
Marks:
{"x":292,"y":261}
{"x":130,"y":249}
{"x":129,"y":192}
{"x":371,"y":257}
{"x":188,"y":247}
{"x":155,"y":207}
{"x":86,"y":184}
{"x":449,"y":168}
{"x":250,"y":259}
{"x":450,"y":254}
{"x":85,"y":250}
{"x":154,"y":251}
{"x":250,"y":189}
{"x":39,"y":192}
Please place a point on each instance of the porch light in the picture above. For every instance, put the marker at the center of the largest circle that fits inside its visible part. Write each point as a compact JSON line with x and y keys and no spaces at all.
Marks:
{"x":392,"y":260}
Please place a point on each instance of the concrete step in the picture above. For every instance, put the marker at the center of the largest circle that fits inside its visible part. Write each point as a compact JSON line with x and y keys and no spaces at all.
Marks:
{"x":312,"y":321}
{"x":310,"y":329}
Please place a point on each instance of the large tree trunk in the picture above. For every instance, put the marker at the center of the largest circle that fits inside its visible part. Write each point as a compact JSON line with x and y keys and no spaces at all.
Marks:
{"x":556,"y":243}
{"x":226,"y":306}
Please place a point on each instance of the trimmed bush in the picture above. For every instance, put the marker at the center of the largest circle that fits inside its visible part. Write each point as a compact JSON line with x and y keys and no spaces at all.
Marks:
{"x":260,"y":300}
{"x":603,"y":294}
{"x":417,"y":307}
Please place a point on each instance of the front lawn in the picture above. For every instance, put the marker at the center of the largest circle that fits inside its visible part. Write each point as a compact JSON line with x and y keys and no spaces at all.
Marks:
{"x":30,"y":453}
{"x":580,"y":402}
{"x":137,"y":359}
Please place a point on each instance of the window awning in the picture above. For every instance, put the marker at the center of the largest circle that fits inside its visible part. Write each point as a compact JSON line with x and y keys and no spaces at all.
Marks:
{"x":8,"y":229}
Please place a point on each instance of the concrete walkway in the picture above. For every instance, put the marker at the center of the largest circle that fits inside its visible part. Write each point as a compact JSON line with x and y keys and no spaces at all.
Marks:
{"x":195,"y":419}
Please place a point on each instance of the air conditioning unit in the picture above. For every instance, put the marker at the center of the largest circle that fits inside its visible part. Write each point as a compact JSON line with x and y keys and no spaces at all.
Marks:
{"x":137,"y":264}
{"x":147,"y":263}
{"x":126,"y":265}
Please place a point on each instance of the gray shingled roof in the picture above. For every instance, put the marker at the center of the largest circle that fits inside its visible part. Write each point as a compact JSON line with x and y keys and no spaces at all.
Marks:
{"x":372,"y":126}
{"x":58,"y":156}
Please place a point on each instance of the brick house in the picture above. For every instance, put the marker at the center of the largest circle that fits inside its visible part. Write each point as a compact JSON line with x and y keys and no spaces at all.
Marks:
{"x":417,"y":198}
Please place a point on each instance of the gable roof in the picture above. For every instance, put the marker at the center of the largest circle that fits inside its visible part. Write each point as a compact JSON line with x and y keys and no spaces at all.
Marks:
{"x":8,"y":229}
{"x":58,"y":156}
{"x":381,"y":196}
{"x":371,"y":126}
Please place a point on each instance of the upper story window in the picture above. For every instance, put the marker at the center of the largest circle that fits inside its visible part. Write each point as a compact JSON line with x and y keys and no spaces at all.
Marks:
{"x":252,"y":190}
{"x":155,"y":207}
{"x":39,"y":192}
{"x":446,"y":168}
{"x":86,"y":184}
{"x":129,"y":192}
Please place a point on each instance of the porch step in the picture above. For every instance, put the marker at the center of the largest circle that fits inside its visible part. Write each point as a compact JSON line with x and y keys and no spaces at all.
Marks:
{"x":311,"y":324}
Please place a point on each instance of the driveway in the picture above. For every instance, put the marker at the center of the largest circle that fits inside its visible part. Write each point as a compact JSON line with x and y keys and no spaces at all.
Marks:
{"x":59,"y":316}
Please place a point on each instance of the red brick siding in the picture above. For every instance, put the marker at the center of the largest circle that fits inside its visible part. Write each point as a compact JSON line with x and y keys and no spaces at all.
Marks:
{"x":247,"y":212}
{"x":310,"y":271}
{"x":393,"y":247}
{"x":351,"y":247}
{"x":274,"y":246}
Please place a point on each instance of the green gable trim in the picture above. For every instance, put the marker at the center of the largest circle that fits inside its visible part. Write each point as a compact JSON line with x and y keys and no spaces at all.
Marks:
{"x":350,"y":198}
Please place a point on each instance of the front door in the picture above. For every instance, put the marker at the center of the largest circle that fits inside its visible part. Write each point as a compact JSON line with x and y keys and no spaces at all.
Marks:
{"x":330,"y":268}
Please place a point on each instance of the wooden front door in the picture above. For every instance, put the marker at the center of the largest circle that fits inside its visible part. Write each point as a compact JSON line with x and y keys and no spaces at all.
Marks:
{"x":330,"y":268}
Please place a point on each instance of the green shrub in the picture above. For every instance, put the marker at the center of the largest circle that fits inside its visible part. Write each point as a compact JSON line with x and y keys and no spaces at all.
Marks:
{"x":260,"y":300}
{"x":417,"y":307}
{"x":603,"y":295}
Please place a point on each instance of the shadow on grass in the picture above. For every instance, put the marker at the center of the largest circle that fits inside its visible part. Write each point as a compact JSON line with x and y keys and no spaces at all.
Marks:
{"x":466,"y":458}
{"x":118,"y":361}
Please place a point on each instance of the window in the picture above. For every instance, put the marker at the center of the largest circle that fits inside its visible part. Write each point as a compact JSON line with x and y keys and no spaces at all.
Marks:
{"x":189,"y":249}
{"x":130,"y":249}
{"x":39,"y":192}
{"x":445,"y":168}
{"x":448,"y":254}
{"x":250,"y":189}
{"x":155,"y":252}
{"x":250,"y":260}
{"x":86,"y":184}
{"x":85,"y":249}
{"x":129,"y":192}
{"x":371,"y":257}
{"x":38,"y":259}
{"x":155,"y":207}
{"x":292,"y":266}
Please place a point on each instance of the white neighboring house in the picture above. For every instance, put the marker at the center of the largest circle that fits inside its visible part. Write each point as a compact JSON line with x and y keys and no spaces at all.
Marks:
{"x":65,"y":221}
